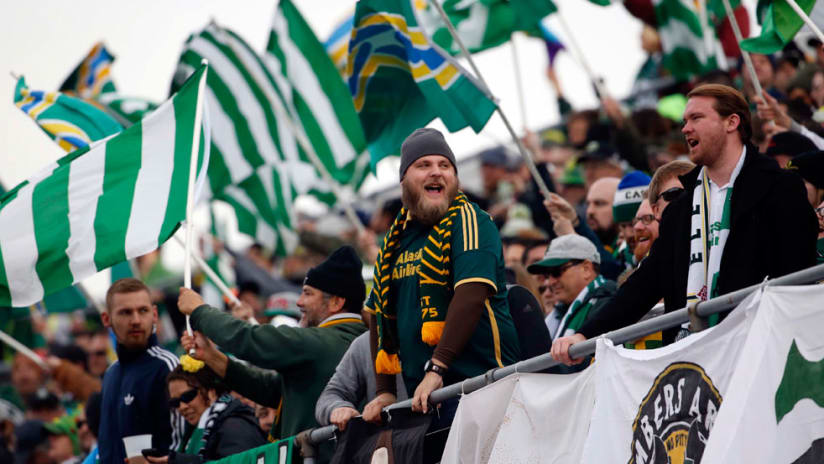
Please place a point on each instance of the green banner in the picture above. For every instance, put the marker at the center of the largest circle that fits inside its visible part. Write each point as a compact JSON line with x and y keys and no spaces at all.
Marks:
{"x":273,"y":453}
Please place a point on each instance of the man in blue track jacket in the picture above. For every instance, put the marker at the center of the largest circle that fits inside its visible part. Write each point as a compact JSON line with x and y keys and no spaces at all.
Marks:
{"x":134,"y":388}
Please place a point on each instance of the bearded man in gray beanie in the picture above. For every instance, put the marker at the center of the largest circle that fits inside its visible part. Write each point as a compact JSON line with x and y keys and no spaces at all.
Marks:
{"x":304,"y":357}
{"x":439,"y":292}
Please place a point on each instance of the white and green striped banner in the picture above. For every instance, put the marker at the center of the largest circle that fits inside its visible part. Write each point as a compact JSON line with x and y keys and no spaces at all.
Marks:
{"x":117,"y":199}
{"x":319,"y":102}
{"x":262,"y":206}
{"x":686,"y":50}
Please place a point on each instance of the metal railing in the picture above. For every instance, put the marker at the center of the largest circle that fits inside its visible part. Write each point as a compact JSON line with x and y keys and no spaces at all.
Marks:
{"x":309,"y":438}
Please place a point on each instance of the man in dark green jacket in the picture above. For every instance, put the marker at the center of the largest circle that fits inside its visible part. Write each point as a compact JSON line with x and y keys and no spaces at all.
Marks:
{"x":304,"y":357}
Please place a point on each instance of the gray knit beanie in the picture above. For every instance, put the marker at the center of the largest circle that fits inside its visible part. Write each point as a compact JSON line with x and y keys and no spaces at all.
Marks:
{"x":421,"y":143}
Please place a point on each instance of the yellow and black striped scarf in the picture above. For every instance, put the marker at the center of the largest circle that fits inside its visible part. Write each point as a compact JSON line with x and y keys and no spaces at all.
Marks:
{"x":433,"y":278}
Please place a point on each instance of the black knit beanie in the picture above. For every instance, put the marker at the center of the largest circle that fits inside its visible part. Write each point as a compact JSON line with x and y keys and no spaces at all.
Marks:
{"x":421,"y":143}
{"x":340,"y":275}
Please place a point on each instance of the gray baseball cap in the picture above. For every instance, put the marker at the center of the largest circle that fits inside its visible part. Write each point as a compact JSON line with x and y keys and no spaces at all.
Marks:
{"x":564,"y":249}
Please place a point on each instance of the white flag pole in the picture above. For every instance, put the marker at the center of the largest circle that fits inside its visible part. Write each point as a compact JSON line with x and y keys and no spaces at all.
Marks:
{"x":516,"y":64}
{"x":744,"y":54}
{"x":530,"y":163}
{"x":190,"y":192}
{"x":212,"y":275}
{"x":23,"y":349}
{"x":809,"y":22}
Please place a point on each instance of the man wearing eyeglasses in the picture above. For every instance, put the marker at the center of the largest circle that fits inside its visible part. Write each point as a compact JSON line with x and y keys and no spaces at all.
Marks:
{"x":572,"y":268}
{"x":645,"y":227}
{"x":741,"y":219}
{"x":665,"y":186}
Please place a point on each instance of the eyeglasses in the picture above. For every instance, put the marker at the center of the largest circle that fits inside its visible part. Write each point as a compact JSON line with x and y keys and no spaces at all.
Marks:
{"x":671,"y":195}
{"x":820,"y":211}
{"x":557,"y":272}
{"x":185,"y":397}
{"x":645,"y":219}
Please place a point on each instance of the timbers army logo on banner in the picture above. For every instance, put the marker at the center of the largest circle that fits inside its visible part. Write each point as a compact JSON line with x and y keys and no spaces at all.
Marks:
{"x":676,"y":416}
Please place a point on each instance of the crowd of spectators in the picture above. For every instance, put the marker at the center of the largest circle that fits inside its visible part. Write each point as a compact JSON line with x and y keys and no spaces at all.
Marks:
{"x":296,"y":353}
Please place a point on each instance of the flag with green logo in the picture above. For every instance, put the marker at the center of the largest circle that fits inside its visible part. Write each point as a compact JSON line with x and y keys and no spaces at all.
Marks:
{"x":779,"y":24}
{"x":773,"y":411}
{"x":116,"y":199}
{"x":71,"y":122}
{"x":394,"y":70}
{"x":481,"y":24}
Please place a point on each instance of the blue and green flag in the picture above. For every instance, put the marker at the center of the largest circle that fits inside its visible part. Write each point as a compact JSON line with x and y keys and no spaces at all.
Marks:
{"x":92,"y":81}
{"x":400,"y":81}
{"x":71,"y":122}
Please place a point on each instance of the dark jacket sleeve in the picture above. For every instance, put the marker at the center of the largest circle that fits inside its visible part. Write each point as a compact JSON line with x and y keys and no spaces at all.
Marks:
{"x":262,"y":345}
{"x":236,"y":436}
{"x":796,"y":229}
{"x":262,"y":387}
{"x":639,"y":293}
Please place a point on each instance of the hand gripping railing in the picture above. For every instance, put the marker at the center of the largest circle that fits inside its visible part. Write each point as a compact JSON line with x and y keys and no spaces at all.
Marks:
{"x":309,"y":438}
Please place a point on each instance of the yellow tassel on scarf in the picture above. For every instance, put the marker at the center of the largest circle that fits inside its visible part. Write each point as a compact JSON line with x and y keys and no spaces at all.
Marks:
{"x":431,"y":332}
{"x":386,"y":363}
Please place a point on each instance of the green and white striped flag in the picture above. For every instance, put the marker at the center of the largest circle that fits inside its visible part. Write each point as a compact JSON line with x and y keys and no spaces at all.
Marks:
{"x":320,"y":104}
{"x":117,"y":199}
{"x":686,"y":52}
{"x":262,"y":209}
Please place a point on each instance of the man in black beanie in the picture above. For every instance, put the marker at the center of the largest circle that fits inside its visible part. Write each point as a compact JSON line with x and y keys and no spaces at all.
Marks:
{"x":439,"y":290}
{"x":304,"y":357}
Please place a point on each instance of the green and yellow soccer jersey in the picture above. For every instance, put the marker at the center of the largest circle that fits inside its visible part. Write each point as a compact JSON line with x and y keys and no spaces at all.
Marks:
{"x":476,"y":257}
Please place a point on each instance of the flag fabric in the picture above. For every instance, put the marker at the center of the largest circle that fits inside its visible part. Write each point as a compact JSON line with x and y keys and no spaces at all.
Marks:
{"x":279,"y":452}
{"x":660,"y":405}
{"x":779,"y":24}
{"x":116,"y":199}
{"x":92,"y":76}
{"x":686,"y":51}
{"x":524,"y":418}
{"x":249,"y":132}
{"x":91,"y":80}
{"x":777,"y":413}
{"x":262,"y":205}
{"x":320,"y":105}
{"x":393,"y":69}
{"x":337,"y":44}
{"x":481,"y":24}
{"x":70,"y":122}
{"x":553,"y":44}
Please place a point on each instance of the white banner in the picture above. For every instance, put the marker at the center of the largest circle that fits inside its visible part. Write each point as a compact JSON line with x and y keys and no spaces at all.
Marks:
{"x":524,"y":418}
{"x":776,"y":415}
{"x":659,"y":406}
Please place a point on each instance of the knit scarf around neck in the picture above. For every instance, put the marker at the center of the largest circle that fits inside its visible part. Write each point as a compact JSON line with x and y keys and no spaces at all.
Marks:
{"x":707,"y":243}
{"x":433,"y":279}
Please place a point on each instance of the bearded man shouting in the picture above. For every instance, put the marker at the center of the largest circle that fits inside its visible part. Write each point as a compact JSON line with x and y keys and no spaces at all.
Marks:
{"x":439,"y":292}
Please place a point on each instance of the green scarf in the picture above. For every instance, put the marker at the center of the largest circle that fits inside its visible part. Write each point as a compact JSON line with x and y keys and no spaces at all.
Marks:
{"x":579,"y":309}
{"x":819,"y":251}
{"x":433,"y":279}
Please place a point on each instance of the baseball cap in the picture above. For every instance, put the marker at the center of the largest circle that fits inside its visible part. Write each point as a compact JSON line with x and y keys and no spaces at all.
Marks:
{"x":564,"y":249}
